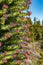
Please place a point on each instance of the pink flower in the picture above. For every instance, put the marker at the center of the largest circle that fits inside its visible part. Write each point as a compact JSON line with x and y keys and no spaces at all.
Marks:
{"x":28,"y":32}
{"x":22,"y":18}
{"x":17,"y":31}
{"x":29,"y":25}
{"x":4,"y":60}
{"x":5,"y":53}
{"x":18,"y":51}
{"x":20,"y":11}
{"x":0,"y":44}
{"x":29,"y":2}
{"x":25,"y":26}
{"x":5,"y":15}
{"x":25,"y":54}
{"x":26,"y":61}
{"x":22,"y":45}
{"x":14,"y":24}
{"x":24,"y":4}
{"x":14,"y":56}
{"x":28,"y":52}
{"x":27,"y":39}
{"x":8,"y":36}
{"x":29,"y":13}
{"x":5,"y":6}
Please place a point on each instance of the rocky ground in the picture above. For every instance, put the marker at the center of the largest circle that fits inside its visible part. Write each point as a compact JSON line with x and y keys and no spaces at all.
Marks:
{"x":39,"y":49}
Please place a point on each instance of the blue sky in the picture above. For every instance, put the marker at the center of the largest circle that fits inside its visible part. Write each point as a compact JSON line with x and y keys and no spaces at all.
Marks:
{"x":37,"y":9}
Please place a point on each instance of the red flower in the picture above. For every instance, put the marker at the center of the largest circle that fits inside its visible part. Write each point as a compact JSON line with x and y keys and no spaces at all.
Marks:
{"x":0,"y":44}
{"x":4,"y":60}
{"x":19,"y":61}
{"x":5,"y":6}
{"x":8,"y":36}
{"x":18,"y":51}
{"x":5,"y":53}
